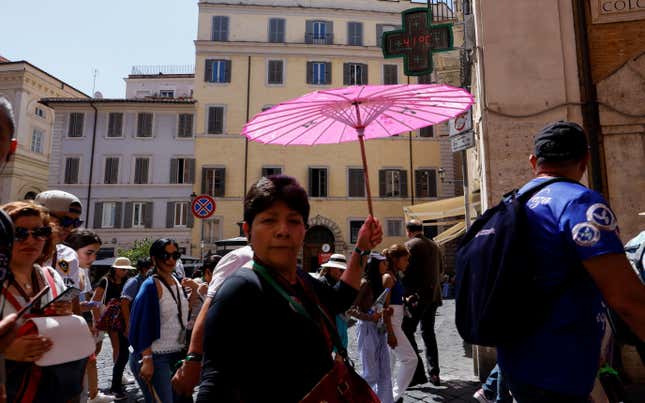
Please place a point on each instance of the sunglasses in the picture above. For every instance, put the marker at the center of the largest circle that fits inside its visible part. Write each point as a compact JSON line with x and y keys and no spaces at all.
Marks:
{"x":67,"y":222}
{"x":42,"y":233}
{"x":166,"y":255}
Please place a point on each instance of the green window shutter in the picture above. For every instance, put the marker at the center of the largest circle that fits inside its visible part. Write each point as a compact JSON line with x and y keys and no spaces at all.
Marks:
{"x":98,"y":214}
{"x":204,"y":180}
{"x":208,"y":72}
{"x":127,"y":219}
{"x":346,"y":70}
{"x":190,"y":218}
{"x":310,"y":72}
{"x":363,"y":74}
{"x":330,"y":32}
{"x":147,"y":214}
{"x":381,"y":183}
{"x":174,"y":166}
{"x":189,"y":174}
{"x":328,"y":73}
{"x":309,"y":31}
{"x":118,"y":214}
{"x":227,"y":71}
{"x":221,"y":173}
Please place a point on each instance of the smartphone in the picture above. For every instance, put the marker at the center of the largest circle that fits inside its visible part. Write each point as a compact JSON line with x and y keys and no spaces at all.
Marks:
{"x":66,"y":296}
{"x":31,"y":302}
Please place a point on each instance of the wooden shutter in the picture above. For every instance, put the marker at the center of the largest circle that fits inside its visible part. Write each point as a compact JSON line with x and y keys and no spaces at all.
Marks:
{"x":227,"y":71}
{"x":363,"y":74}
{"x":329,"y":33}
{"x":118,"y":214}
{"x":346,"y":74}
{"x":310,"y":72}
{"x":98,"y":214}
{"x":147,"y":214}
{"x":220,"y":173}
{"x":403,"y":180}
{"x":174,"y":166}
{"x":379,"y":34}
{"x":359,"y":34}
{"x":189,"y":170}
{"x":432,"y":183}
{"x":381,"y":182}
{"x":170,"y":214}
{"x":208,"y":71}
{"x":309,"y":31}
{"x":127,"y":219}
{"x":205,"y":180}
{"x":323,"y":182}
{"x":190,"y":218}
{"x":390,"y":74}
{"x":224,"y":28}
{"x":328,"y":73}
{"x":418,"y":184}
{"x":311,"y":182}
{"x":281,"y":30}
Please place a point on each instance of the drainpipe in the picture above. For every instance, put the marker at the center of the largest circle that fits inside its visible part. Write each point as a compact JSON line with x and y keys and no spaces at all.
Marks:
{"x":89,"y":184}
{"x":589,"y":102}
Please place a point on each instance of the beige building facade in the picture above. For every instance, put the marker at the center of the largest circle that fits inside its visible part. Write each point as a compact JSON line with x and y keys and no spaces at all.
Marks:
{"x":254,"y":54}
{"x":24,"y":84}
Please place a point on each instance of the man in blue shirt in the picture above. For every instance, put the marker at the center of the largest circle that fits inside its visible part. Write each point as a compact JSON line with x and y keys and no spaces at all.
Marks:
{"x":575,"y":241}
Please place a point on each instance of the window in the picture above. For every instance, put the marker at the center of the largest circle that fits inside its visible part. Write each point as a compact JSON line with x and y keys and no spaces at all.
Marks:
{"x":425,"y":182}
{"x":319,"y":32}
{"x":181,"y":214}
{"x":166,"y":93}
{"x":185,"y":125}
{"x":214,"y":181}
{"x":75,"y":128}
{"x":220,"y":28}
{"x":276,"y":30}
{"x":144,"y":124}
{"x":115,"y":124}
{"x":37,"y":138}
{"x":317,"y":182}
{"x":275,"y":72}
{"x":319,"y":73}
{"x":355,"y":182}
{"x":394,"y":227}
{"x":108,"y":217}
{"x":354,"y":74}
{"x":215,"y":119}
{"x":137,"y":215}
{"x":72,"y":165}
{"x":354,"y":227}
{"x":268,"y":171}
{"x":211,"y":230}
{"x":40,"y":112}
{"x":218,"y":71}
{"x":393,"y":183}
{"x":380,"y":28}
{"x":390,"y":74}
{"x":111,"y":174}
{"x":355,"y":33}
{"x":141,"y":169}
{"x":182,"y":170}
{"x":427,"y":131}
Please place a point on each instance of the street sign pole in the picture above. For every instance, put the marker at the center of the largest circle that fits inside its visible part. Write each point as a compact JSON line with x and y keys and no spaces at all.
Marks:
{"x":464,"y":163}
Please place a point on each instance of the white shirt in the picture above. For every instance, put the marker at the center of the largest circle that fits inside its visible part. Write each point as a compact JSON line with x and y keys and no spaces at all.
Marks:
{"x":227,"y":266}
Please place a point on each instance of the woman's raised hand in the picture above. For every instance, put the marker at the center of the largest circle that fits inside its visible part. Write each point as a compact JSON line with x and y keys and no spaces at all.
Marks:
{"x":370,"y":234}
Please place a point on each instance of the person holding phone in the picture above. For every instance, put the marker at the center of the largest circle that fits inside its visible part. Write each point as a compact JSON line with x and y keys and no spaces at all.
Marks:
{"x":33,"y":246}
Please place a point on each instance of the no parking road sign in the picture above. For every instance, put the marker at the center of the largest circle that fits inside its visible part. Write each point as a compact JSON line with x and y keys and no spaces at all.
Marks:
{"x":203,"y":206}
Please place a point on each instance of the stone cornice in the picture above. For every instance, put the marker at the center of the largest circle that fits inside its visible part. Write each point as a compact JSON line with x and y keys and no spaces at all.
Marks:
{"x":285,"y":49}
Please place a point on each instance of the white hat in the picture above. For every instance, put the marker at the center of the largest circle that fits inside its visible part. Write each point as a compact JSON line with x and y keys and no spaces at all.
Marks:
{"x":57,"y":200}
{"x":337,"y":261}
{"x":123,"y":263}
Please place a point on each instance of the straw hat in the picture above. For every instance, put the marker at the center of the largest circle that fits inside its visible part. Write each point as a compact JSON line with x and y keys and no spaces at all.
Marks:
{"x":337,"y":260}
{"x":123,"y":263}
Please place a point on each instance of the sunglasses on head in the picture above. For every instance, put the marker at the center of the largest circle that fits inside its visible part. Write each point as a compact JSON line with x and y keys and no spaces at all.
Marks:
{"x":67,"y":222}
{"x":166,"y":255}
{"x":42,"y":233}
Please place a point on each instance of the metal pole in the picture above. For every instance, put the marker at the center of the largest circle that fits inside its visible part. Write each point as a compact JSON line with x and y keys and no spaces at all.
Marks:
{"x":464,"y":163}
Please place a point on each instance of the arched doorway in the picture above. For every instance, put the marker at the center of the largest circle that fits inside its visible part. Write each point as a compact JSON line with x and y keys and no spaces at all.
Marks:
{"x":315,"y":238}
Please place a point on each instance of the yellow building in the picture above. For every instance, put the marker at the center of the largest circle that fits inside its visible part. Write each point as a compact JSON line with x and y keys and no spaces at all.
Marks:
{"x":24,"y":84}
{"x":254,"y":54}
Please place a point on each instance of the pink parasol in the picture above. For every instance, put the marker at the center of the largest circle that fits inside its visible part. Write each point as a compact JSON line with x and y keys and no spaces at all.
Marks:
{"x":357,"y":113}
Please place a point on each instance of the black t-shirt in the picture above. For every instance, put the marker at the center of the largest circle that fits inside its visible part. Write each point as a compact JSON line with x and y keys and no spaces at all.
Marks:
{"x":258,"y":349}
{"x":113,"y":289}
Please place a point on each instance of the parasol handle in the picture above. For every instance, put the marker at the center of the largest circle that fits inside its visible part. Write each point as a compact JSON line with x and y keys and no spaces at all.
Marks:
{"x":367,"y":179}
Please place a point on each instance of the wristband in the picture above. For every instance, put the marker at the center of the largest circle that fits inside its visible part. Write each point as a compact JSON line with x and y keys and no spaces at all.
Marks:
{"x":362,"y":252}
{"x":194,"y":357}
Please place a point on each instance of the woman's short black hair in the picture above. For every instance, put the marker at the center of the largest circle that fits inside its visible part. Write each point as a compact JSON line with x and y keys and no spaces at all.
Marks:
{"x":374,"y":277}
{"x":158,"y":247}
{"x":268,"y":190}
{"x":80,"y":238}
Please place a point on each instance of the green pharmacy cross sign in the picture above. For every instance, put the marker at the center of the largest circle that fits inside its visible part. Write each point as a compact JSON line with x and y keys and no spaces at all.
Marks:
{"x":417,"y":41}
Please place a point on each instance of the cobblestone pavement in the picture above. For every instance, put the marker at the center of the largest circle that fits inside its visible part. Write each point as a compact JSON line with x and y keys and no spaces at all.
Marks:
{"x":457,"y":380}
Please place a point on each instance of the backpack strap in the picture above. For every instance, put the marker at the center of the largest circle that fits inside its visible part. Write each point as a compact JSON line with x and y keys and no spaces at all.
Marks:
{"x":526,"y":195}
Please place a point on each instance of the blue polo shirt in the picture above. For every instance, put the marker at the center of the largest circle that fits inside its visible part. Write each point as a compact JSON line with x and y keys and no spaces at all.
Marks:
{"x":568,"y":223}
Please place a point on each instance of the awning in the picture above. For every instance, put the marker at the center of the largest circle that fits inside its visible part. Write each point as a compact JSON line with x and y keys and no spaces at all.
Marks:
{"x":451,"y":233}
{"x":441,"y":209}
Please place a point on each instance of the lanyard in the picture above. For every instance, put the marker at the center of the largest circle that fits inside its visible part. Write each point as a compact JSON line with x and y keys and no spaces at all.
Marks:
{"x":177,"y":299}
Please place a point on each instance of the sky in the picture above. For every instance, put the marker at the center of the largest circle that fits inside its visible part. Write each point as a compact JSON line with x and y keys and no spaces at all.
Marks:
{"x":69,"y":39}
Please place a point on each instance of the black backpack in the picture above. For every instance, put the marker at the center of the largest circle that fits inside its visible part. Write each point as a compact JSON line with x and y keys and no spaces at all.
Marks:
{"x":497,"y":299}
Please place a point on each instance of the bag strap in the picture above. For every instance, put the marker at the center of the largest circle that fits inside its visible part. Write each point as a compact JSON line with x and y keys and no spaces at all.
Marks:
{"x":50,"y":281}
{"x":299,"y":308}
{"x":526,"y":195}
{"x":177,"y":299}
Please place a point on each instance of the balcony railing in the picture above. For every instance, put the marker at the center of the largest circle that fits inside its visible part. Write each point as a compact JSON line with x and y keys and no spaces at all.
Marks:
{"x":319,"y":39}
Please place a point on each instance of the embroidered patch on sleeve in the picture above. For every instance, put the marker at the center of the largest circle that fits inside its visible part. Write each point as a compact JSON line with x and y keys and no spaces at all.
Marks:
{"x":585,"y":234}
{"x":601,"y":216}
